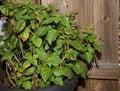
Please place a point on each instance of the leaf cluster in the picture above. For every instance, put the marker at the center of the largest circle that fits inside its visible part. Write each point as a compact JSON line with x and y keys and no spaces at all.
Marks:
{"x":42,"y":47}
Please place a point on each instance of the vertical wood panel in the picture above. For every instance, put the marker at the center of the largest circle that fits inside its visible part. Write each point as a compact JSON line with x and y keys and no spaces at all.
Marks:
{"x":106,"y":25}
{"x":105,"y":16}
{"x":45,"y":2}
{"x":37,"y":1}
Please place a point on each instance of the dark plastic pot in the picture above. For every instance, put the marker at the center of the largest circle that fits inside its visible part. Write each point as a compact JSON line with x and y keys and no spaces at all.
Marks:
{"x":69,"y":85}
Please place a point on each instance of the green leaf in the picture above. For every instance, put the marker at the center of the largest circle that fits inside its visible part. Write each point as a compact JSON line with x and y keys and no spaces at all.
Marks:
{"x":30,"y":71}
{"x":46,"y":73}
{"x":21,"y":12}
{"x":33,"y":6}
{"x":62,"y":71}
{"x":59,"y":43}
{"x":87,"y":56}
{"x":37,"y":41}
{"x":48,"y":21}
{"x":27,"y":85}
{"x":13,"y":42}
{"x":56,"y":19}
{"x":43,"y":84}
{"x":91,"y":38}
{"x":25,"y":34}
{"x":51,"y":36}
{"x":80,"y":68}
{"x":4,"y":10}
{"x":71,"y":54}
{"x":27,"y":1}
{"x":98,"y":46}
{"x":22,"y":80}
{"x":20,"y":25}
{"x":76,"y":44}
{"x":65,"y":23}
{"x":90,"y":49}
{"x":9,"y":28}
{"x":28,"y":55}
{"x":41,"y":53}
{"x":53,"y":60}
{"x":33,"y":62}
{"x":42,"y":30}
{"x":26,"y":64}
{"x":58,"y":81}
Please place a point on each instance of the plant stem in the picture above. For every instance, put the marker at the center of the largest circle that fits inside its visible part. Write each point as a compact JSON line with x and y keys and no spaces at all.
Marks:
{"x":17,"y":60}
{"x":9,"y":75}
{"x":21,"y":47}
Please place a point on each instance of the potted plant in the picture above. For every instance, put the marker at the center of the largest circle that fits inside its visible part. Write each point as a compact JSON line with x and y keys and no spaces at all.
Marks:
{"x":42,"y":47}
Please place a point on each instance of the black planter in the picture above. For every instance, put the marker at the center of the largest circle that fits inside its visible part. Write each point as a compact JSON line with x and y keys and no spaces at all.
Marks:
{"x":69,"y":85}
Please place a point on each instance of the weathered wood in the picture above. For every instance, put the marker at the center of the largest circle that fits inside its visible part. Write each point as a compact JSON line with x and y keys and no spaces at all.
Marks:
{"x":37,"y":1}
{"x":106,"y":25}
{"x":45,"y":2}
{"x":105,"y":71}
{"x":99,"y":85}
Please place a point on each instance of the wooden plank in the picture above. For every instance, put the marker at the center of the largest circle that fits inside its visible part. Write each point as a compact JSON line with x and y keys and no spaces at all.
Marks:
{"x":98,"y":85}
{"x":45,"y":2}
{"x":106,"y":25}
{"x":105,"y":71}
{"x":37,"y":1}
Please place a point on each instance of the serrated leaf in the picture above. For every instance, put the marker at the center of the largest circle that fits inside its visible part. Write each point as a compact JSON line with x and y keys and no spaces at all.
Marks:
{"x":41,"y":53}
{"x":28,"y":55}
{"x":76,"y":44}
{"x":71,"y":54}
{"x":62,"y":71}
{"x":27,"y":85}
{"x":20,"y":25}
{"x":58,"y":81}
{"x":48,"y":21}
{"x":29,"y":71}
{"x":90,"y":49}
{"x":98,"y":46}
{"x":91,"y":38}
{"x":80,"y":68}
{"x":87,"y":56}
{"x":33,"y":6}
{"x":46,"y":73}
{"x":56,"y":19}
{"x":59,"y":43}
{"x":53,"y":60}
{"x":51,"y":36}
{"x":65,"y":23}
{"x":21,"y":12}
{"x":43,"y":84}
{"x":37,"y":41}
{"x":42,"y":30}
{"x":4,"y":10}
{"x":21,"y":80}
{"x":33,"y":62}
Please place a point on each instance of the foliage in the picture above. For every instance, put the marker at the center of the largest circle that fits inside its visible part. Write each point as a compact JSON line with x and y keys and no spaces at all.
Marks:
{"x":42,"y":47}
